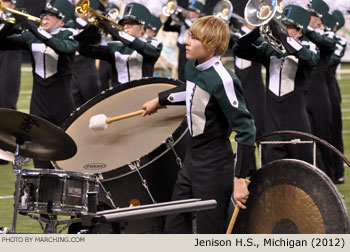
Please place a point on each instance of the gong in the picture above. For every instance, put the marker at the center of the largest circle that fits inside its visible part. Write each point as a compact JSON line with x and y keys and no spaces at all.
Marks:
{"x":291,"y":196}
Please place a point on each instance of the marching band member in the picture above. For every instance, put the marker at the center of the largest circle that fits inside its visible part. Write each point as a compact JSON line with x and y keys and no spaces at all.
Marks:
{"x":85,"y":81}
{"x":105,"y":71}
{"x":319,"y":105}
{"x":287,"y":79}
{"x":52,"y":48}
{"x":195,"y":10}
{"x":152,"y":30}
{"x":334,"y":92}
{"x":215,"y":108}
{"x":129,"y":53}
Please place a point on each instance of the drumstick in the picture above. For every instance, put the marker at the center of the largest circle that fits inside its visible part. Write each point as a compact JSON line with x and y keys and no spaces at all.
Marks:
{"x":234,"y":215}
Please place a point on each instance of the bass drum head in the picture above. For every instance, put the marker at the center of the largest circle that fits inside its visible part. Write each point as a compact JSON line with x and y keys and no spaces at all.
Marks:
{"x":292,"y":197}
{"x":123,"y":141}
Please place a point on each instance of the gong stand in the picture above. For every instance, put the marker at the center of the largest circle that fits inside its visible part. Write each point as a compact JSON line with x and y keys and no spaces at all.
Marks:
{"x":93,"y":218}
{"x":314,"y":140}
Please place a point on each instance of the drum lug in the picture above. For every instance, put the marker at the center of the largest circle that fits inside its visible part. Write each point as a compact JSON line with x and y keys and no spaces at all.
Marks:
{"x":134,"y":164}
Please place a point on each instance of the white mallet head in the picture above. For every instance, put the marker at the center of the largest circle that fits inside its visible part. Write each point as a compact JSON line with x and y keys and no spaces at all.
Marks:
{"x":98,"y":122}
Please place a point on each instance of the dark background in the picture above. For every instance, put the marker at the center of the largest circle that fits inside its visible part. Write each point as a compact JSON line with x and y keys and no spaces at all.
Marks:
{"x":33,"y":7}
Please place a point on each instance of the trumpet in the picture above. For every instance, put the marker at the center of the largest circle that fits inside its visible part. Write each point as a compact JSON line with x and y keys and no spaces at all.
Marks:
{"x":171,"y":8}
{"x":260,"y":13}
{"x":12,"y":11}
{"x":83,"y":7}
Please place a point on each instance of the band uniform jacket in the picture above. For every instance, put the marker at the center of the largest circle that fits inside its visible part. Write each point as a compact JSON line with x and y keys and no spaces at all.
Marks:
{"x":130,"y":62}
{"x":215,"y":107}
{"x":51,"y":62}
{"x":156,"y":43}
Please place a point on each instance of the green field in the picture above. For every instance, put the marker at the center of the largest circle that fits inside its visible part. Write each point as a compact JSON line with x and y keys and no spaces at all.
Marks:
{"x":27,"y":225}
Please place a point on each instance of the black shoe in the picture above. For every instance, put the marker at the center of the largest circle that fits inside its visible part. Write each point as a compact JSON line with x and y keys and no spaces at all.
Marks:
{"x":340,"y":180}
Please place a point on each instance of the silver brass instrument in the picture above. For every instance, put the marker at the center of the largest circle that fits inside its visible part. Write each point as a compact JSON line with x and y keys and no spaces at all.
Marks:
{"x":171,"y":8}
{"x":12,"y":20}
{"x":83,"y":7}
{"x":113,"y":14}
{"x":223,"y":10}
{"x":260,"y":13}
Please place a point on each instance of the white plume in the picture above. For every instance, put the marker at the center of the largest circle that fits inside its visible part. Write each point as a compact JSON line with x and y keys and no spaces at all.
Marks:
{"x":115,"y":2}
{"x":302,"y":3}
{"x":341,"y":5}
{"x":331,"y":4}
{"x":155,"y":7}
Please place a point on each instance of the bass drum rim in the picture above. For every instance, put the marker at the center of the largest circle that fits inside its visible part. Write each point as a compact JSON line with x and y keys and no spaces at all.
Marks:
{"x":262,"y":180}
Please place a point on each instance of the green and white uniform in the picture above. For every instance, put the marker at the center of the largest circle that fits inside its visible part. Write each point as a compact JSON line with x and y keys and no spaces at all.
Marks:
{"x":286,"y":83}
{"x":51,"y":62}
{"x":131,"y":58}
{"x":215,"y":107}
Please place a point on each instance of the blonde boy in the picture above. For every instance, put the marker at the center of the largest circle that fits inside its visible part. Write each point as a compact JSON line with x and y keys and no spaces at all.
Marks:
{"x":215,"y":107}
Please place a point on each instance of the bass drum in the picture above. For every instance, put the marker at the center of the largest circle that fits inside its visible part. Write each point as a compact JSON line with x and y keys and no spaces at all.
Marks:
{"x":135,"y":158}
{"x":290,"y":196}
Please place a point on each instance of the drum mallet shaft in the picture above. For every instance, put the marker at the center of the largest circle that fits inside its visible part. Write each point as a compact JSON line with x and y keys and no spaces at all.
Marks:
{"x":234,"y":215}
{"x":101,"y":121}
{"x":6,"y":155}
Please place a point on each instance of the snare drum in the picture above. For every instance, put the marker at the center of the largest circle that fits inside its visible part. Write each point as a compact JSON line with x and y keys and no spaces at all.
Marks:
{"x":136,"y":158}
{"x":55,"y":192}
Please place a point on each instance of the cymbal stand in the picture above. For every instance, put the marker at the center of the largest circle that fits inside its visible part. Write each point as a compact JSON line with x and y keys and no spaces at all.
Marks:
{"x":17,"y":165}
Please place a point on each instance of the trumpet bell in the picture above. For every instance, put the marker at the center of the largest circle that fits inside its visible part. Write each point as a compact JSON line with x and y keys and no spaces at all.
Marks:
{"x":82,"y":6}
{"x":260,"y":12}
{"x":113,"y":14}
{"x":223,"y":10}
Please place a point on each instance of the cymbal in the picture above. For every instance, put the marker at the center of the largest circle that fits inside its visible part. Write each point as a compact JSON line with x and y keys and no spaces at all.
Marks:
{"x":38,"y":138}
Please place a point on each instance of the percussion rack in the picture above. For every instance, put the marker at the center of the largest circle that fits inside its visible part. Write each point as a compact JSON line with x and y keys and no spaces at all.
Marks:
{"x":94,"y":218}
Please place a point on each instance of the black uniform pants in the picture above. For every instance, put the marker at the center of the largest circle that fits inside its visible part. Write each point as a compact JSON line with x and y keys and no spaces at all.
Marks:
{"x":205,"y":177}
{"x":320,"y":114}
{"x":337,"y":125}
